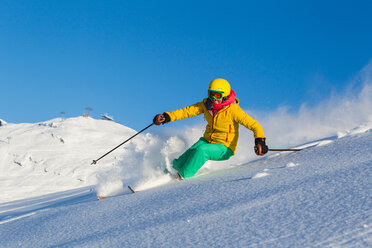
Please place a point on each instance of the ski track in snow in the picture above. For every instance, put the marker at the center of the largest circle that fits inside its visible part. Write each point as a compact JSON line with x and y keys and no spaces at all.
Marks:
{"x":11,"y":211}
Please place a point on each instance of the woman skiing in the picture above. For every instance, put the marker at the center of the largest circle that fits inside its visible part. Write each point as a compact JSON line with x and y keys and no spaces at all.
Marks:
{"x":222,"y":112}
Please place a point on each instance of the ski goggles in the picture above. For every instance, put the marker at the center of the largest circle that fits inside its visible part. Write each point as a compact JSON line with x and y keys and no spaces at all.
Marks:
{"x":216,"y":95}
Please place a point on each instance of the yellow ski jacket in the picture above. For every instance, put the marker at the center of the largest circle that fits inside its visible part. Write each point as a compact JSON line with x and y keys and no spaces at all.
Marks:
{"x":223,"y":127}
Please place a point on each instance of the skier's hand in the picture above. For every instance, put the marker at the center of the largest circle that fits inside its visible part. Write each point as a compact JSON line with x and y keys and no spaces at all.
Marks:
{"x":161,"y":119}
{"x":260,"y":147}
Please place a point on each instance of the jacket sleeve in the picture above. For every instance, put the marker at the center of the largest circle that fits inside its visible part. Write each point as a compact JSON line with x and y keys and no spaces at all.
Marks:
{"x":244,"y":119}
{"x":186,"y":112}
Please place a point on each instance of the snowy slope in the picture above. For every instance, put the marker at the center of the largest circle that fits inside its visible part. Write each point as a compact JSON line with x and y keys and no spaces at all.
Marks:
{"x":319,"y":197}
{"x":55,"y":155}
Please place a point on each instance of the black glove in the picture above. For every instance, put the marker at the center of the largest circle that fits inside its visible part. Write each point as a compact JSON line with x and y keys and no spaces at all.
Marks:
{"x":260,"y":147}
{"x":161,"y":119}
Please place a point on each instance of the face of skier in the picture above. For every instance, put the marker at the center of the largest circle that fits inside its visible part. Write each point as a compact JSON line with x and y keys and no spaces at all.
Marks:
{"x":215,"y":96}
{"x":214,"y":101}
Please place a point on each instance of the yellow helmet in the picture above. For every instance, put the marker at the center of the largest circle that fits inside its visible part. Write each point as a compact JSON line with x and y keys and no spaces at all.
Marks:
{"x":220,"y":85}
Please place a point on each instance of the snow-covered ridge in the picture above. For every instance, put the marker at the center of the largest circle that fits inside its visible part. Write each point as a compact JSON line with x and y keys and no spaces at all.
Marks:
{"x":55,"y":155}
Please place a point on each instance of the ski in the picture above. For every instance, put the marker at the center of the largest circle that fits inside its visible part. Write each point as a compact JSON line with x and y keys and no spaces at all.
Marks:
{"x":131,"y":189}
{"x":176,"y":178}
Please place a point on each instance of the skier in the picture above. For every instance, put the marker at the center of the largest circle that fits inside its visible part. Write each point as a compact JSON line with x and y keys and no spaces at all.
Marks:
{"x":222,"y":112}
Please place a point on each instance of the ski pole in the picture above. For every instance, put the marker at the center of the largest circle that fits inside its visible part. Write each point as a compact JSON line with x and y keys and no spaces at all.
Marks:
{"x":285,"y":150}
{"x":95,"y":161}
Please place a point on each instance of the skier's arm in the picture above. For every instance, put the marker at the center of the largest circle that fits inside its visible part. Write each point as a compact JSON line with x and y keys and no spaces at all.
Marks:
{"x":244,"y":119}
{"x":186,"y":112}
{"x":179,"y":114}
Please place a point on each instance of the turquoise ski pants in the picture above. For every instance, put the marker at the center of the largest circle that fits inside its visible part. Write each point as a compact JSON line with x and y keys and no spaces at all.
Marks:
{"x":194,"y":158}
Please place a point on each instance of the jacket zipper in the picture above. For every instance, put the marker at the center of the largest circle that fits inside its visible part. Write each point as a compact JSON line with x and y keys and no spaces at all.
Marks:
{"x":227,"y":134}
{"x":213,"y":125}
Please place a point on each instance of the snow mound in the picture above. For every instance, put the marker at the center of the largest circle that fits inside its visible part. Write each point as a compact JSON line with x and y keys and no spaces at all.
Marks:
{"x":56,"y":155}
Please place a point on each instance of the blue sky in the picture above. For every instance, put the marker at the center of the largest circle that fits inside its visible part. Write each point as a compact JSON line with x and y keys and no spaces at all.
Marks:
{"x":133,"y":59}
